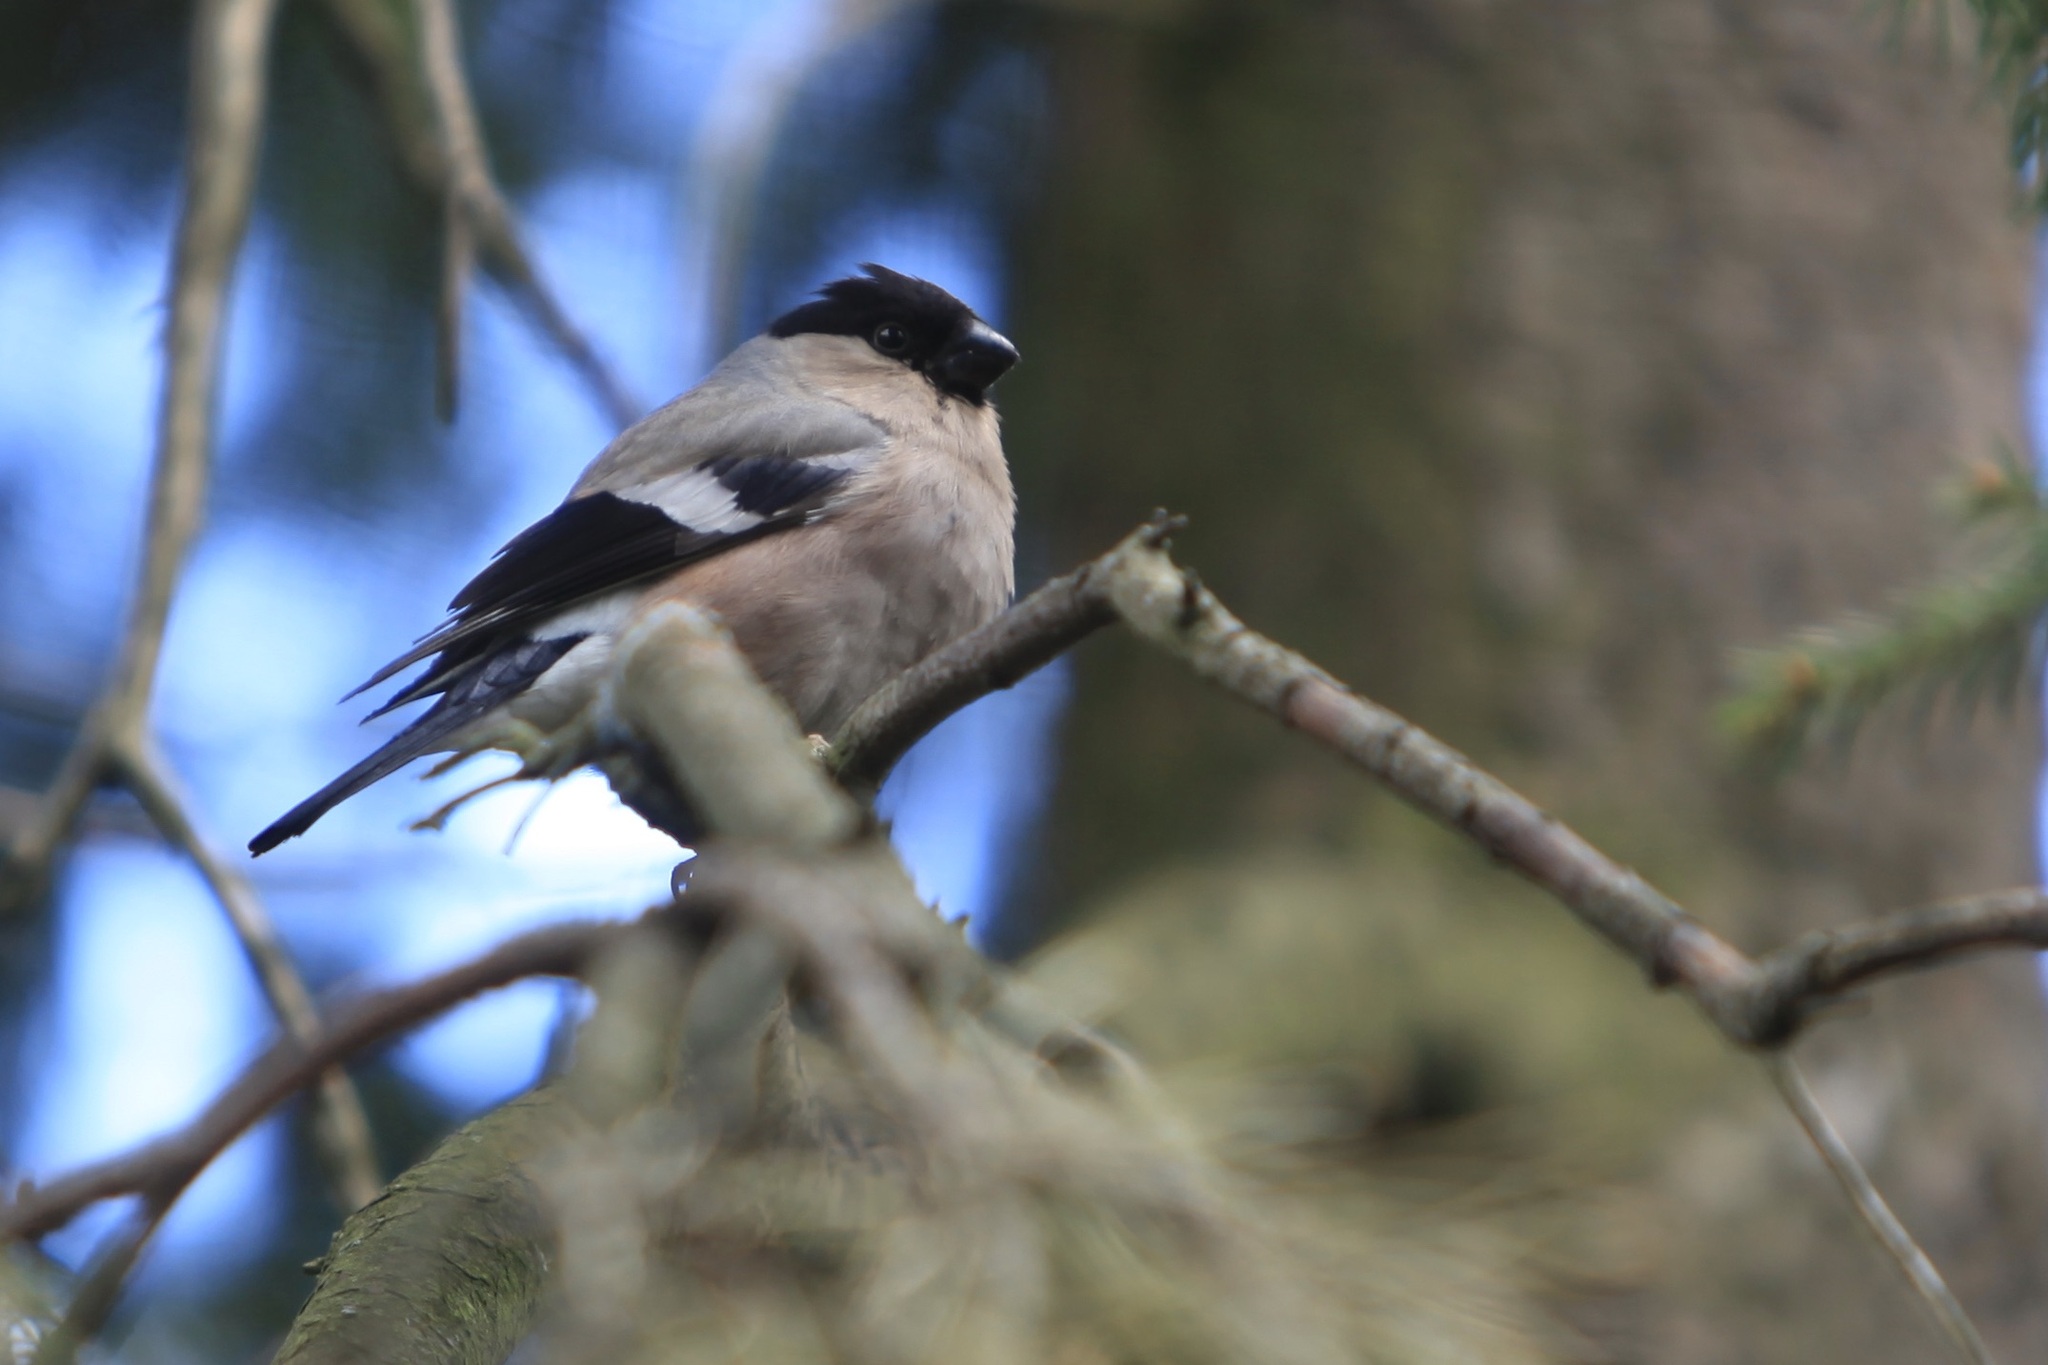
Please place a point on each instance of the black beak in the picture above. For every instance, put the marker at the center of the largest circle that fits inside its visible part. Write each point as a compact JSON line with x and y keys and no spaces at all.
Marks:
{"x":975,"y":359}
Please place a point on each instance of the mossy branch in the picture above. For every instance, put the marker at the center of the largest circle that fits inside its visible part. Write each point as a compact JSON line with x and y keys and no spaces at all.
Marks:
{"x":446,"y":1265}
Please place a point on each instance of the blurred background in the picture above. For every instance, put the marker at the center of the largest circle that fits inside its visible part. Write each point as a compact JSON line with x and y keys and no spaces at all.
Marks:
{"x":1517,"y":362}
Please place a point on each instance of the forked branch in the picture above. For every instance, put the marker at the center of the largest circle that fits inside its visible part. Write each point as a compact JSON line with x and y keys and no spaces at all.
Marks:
{"x":421,"y":90}
{"x":160,"y":1170}
{"x":1754,"y":1003}
{"x":230,"y":50}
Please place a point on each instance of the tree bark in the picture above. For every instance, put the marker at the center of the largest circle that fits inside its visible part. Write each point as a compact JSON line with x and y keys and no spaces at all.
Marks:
{"x":445,"y":1267}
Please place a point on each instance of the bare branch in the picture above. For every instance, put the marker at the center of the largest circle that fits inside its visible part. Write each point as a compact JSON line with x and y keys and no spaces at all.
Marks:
{"x":431,"y":118}
{"x":160,"y":1170}
{"x":729,"y":164}
{"x":92,"y":1303}
{"x":462,"y":152}
{"x":341,"y":1128}
{"x":1825,"y":964}
{"x":230,"y":53}
{"x":45,"y":829}
{"x":1755,"y":1004}
{"x":230,"y":46}
{"x":1876,"y":1214}
{"x":1001,"y":654}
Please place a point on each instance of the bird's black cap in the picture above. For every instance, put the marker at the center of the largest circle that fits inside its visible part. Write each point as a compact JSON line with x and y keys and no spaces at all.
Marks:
{"x":910,"y":320}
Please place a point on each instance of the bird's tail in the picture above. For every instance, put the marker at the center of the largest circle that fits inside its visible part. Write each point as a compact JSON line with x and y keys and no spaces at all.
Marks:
{"x":468,"y":692}
{"x":422,"y":737}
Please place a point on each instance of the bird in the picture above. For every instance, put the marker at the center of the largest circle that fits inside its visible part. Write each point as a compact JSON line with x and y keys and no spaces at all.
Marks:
{"x":835,"y":491}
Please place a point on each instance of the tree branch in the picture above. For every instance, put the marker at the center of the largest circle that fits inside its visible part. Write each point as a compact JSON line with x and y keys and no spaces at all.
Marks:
{"x":1876,"y":1214}
{"x":431,"y":117}
{"x":447,"y":1266}
{"x":1827,"y":964}
{"x":230,"y":49}
{"x":161,"y":1169}
{"x":341,"y":1128}
{"x":467,"y":179}
{"x":1000,"y":655}
{"x":809,"y":893}
{"x":228,"y":91}
{"x":1754,"y":1004}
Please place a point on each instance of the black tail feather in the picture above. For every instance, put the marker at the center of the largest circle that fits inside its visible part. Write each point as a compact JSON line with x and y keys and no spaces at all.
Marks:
{"x":414,"y":742}
{"x":471,"y":694}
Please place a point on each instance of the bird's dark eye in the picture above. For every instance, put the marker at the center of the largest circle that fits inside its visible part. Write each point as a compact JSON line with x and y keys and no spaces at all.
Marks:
{"x":892,"y":339}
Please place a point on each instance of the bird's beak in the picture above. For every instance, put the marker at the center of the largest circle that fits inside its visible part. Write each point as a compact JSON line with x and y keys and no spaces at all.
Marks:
{"x":975,"y":359}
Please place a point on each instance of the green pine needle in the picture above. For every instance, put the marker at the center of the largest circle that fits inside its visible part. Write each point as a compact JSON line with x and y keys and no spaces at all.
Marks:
{"x":1969,"y":641}
{"x":2012,"y":41}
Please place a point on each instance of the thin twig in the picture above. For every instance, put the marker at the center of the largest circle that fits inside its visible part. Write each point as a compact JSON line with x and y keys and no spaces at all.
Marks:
{"x":1761,"y":1004}
{"x":426,"y":106}
{"x":1001,"y":654}
{"x":32,"y":855}
{"x":749,"y":110}
{"x":230,"y":54}
{"x":1876,"y":1214}
{"x":92,"y":1303}
{"x":163,"y":1168}
{"x":231,"y":44}
{"x":1827,"y":964}
{"x":1756,"y":1005}
{"x":467,"y":180}
{"x":341,"y":1128}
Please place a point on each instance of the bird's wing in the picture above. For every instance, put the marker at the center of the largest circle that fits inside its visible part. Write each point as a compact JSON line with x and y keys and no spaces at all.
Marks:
{"x":702,"y":475}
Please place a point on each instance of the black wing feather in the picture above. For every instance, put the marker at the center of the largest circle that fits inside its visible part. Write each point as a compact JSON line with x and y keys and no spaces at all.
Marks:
{"x":485,"y":654}
{"x":578,"y":542}
{"x":767,"y":485}
{"x":598,"y":542}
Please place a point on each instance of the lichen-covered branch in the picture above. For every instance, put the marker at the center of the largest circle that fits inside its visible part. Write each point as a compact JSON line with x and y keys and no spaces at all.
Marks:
{"x":447,"y":1265}
{"x":1753,"y":1003}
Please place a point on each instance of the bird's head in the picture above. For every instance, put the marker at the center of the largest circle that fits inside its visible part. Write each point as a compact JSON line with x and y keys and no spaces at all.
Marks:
{"x":912,"y":322}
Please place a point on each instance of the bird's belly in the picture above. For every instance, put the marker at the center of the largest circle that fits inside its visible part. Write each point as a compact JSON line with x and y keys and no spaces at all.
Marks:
{"x":825,"y":625}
